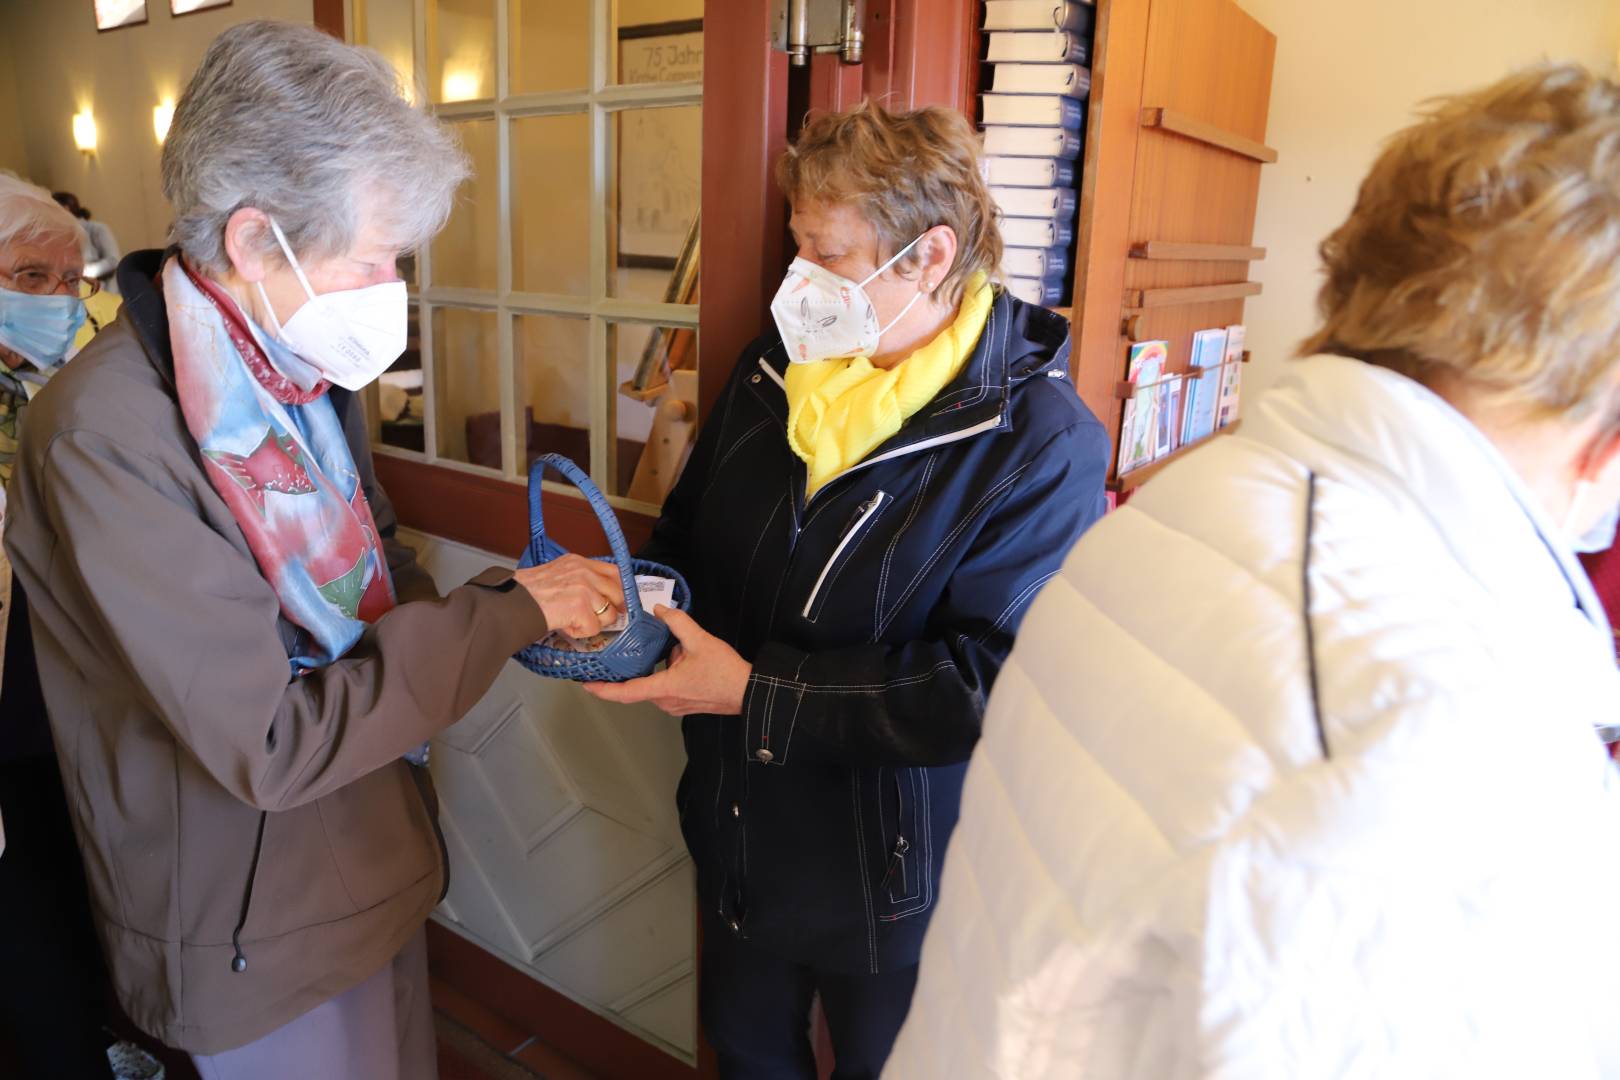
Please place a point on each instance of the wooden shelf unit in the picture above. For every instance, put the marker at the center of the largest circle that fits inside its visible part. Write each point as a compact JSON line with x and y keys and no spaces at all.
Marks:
{"x":1175,"y":141}
{"x":1193,"y":128}
{"x":1166,"y":249}
{"x":1134,"y":478}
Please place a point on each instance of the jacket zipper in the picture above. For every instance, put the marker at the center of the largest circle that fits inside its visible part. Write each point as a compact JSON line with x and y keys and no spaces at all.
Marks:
{"x":238,"y":958}
{"x":867,"y":511}
{"x":897,"y":854}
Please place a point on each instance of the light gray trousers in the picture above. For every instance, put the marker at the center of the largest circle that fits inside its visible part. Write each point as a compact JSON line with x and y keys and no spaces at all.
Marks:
{"x":379,"y":1030}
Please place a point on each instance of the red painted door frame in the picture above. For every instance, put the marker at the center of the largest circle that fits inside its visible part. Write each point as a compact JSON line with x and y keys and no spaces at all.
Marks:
{"x":744,"y":132}
{"x":910,"y":60}
{"x":328,"y":15}
{"x":922,"y":52}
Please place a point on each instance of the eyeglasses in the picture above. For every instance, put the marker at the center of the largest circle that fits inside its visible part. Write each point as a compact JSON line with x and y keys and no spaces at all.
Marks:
{"x":45,"y":283}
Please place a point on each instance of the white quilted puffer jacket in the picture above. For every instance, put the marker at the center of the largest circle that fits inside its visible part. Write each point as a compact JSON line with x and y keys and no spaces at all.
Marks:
{"x":1166,"y":868}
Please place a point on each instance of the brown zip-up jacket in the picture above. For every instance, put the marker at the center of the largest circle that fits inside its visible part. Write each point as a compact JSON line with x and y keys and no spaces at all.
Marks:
{"x":213,"y":797}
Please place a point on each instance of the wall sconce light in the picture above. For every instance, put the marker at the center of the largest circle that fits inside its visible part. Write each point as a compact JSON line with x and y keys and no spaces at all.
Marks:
{"x":162,"y":117}
{"x":84,"y":131}
{"x":461,"y":84}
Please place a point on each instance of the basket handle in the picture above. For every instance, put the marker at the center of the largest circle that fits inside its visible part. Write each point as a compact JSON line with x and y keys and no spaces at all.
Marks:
{"x":604,"y":515}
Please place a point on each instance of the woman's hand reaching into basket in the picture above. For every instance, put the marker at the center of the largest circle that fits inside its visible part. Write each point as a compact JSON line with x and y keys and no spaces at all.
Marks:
{"x":578,"y":596}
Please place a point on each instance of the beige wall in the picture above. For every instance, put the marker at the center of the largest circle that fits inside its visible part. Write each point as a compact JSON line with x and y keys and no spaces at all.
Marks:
{"x":1347,"y":75}
{"x":13,"y":156}
{"x":62,"y":65}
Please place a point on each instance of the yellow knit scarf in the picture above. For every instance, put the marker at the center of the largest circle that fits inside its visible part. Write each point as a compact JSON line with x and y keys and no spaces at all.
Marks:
{"x":841,"y":410}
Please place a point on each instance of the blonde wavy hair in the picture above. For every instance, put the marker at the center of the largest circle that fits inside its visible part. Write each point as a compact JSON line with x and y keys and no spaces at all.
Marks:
{"x":1485,"y":245}
{"x":906,"y":172}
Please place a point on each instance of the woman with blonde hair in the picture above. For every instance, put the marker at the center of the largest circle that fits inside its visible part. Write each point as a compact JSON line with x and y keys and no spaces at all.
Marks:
{"x":887,"y":481}
{"x":1322,"y":790}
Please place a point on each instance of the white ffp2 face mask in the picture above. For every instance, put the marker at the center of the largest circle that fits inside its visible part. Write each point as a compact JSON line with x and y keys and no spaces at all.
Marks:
{"x":822,"y":315}
{"x":350,"y":336}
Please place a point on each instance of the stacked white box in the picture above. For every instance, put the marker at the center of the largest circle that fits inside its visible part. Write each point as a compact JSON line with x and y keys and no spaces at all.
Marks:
{"x":1036,"y":87}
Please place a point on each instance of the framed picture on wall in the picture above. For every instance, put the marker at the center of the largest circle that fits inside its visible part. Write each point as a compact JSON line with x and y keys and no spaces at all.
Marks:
{"x":112,"y":14}
{"x":186,"y":7}
{"x":660,"y":151}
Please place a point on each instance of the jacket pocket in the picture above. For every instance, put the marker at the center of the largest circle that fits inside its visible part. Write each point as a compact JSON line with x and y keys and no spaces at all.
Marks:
{"x":381,"y":836}
{"x":905,"y":886}
{"x":859,"y":525}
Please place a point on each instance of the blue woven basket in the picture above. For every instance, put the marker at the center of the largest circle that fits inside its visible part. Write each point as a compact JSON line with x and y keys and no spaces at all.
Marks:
{"x":637,"y":650}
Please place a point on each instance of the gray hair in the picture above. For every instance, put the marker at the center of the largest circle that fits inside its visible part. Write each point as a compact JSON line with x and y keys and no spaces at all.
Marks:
{"x":29,"y":214}
{"x":291,"y":121}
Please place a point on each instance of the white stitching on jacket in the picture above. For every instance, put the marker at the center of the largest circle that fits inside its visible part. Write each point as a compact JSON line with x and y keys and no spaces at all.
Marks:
{"x":793,"y":543}
{"x":866,"y":886}
{"x":811,"y":520}
{"x":894,"y":545}
{"x":1023,"y":595}
{"x":925,"y":854}
{"x":854,"y":688}
{"x":852,"y":542}
{"x":714,"y":478}
{"x":765,"y":721}
{"x":950,"y":538}
{"x":983,"y":388}
{"x":726,"y":412}
{"x":798,"y":703}
{"x":719,"y":787}
{"x":749,"y":573}
{"x":899,"y":822}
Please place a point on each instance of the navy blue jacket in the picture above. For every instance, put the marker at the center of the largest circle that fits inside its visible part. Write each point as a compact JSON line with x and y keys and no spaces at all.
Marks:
{"x":876,"y":615}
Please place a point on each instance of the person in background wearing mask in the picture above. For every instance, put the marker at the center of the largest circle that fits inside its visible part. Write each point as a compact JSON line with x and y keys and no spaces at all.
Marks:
{"x":242,"y":664}
{"x":888,"y":480}
{"x":1296,"y":770}
{"x":100,"y":246}
{"x":100,"y":264}
{"x":54,"y":1016}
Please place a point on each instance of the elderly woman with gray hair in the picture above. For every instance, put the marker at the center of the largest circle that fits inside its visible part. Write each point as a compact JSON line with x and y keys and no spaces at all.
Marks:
{"x":54,"y":1018}
{"x":242,"y":666}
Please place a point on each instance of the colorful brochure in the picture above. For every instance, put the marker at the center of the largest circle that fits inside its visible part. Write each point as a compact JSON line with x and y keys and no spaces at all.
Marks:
{"x":1231,"y":377}
{"x":1138,"y":431}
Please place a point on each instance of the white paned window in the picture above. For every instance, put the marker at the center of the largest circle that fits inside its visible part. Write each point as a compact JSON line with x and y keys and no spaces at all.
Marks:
{"x":547,"y":314}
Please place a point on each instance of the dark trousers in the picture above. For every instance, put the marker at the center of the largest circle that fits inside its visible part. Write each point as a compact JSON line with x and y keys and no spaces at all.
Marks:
{"x":51,"y":1004}
{"x":756,"y":1012}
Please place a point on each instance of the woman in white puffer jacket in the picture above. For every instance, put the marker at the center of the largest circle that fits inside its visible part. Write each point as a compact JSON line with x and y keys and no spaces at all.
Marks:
{"x":1296,"y":770}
